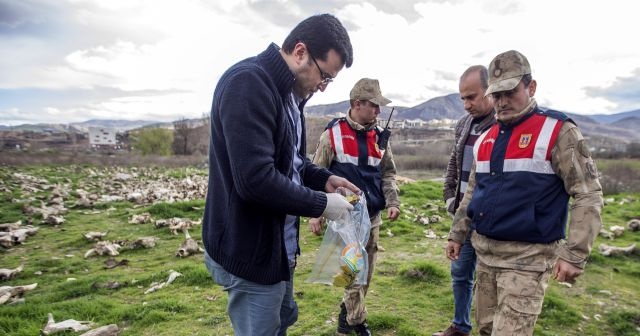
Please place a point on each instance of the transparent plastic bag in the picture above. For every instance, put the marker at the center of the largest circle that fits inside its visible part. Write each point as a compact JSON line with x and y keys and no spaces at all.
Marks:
{"x":342,"y":259}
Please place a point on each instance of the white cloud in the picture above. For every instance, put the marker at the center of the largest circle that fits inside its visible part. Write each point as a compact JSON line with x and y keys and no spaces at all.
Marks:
{"x":176,"y":51}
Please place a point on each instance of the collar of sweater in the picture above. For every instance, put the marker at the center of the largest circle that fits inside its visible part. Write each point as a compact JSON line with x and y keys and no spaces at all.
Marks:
{"x":276,"y":67}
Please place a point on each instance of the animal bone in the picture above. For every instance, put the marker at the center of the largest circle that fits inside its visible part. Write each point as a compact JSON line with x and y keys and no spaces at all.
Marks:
{"x":53,"y":220}
{"x":67,"y":325}
{"x":112,"y":263}
{"x":144,"y":242}
{"x":7,"y":227}
{"x":617,"y":230}
{"x":189,"y":246}
{"x":159,"y":285}
{"x":608,"y":250}
{"x":6,"y":274}
{"x":94,"y":235}
{"x":102,"y":248}
{"x":14,"y":293}
{"x":108,"y":330}
{"x":633,"y":225}
{"x":141,"y":218}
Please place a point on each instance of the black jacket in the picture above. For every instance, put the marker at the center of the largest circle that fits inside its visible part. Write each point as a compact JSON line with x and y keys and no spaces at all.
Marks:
{"x":250,"y":167}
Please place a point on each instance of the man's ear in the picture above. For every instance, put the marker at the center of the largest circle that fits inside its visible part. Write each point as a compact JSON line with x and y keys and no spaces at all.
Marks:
{"x":300,"y":53}
{"x":532,"y":87}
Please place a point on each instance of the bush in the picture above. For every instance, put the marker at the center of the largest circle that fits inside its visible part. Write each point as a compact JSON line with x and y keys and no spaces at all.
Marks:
{"x":155,"y":141}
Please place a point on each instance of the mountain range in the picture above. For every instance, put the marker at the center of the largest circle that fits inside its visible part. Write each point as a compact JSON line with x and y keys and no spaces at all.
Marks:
{"x":620,"y":126}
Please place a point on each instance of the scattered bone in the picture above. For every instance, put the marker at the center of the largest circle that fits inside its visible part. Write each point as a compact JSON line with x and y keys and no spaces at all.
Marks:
{"x":605,"y":234}
{"x":94,"y":235}
{"x":108,"y":330}
{"x":136,"y":197}
{"x":435,"y":219}
{"x":633,"y":225}
{"x":189,"y":246}
{"x":424,"y":220}
{"x":107,"y":285}
{"x":159,"y":285}
{"x":112,"y":263}
{"x":8,"y":239}
{"x":430,"y":234}
{"x":6,"y":227}
{"x":56,"y":201}
{"x":181,"y":224}
{"x":111,"y":198}
{"x":122,"y":177}
{"x":6,"y":274}
{"x":102,"y":248}
{"x":617,"y":230}
{"x":608,"y":250}
{"x":67,"y":325}
{"x":389,"y":233}
{"x":8,"y":293}
{"x":83,"y":202}
{"x":53,"y":220}
{"x":141,"y":218}
{"x":144,"y":242}
{"x":609,"y":200}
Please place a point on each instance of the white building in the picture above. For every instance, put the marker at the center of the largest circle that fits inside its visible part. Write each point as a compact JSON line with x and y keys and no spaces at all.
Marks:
{"x":99,"y":136}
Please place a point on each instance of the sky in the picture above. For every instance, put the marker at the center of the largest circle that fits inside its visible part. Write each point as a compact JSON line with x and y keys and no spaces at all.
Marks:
{"x":64,"y":61}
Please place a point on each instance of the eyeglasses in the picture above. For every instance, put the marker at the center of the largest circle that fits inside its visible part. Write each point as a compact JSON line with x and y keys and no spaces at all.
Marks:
{"x":326,"y":78}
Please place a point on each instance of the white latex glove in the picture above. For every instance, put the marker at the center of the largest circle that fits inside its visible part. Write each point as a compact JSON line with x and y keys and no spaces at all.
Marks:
{"x":337,"y":206}
{"x":449,"y":203}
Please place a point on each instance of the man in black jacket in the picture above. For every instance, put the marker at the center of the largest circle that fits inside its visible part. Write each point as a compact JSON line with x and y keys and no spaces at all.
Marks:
{"x":260,"y":179}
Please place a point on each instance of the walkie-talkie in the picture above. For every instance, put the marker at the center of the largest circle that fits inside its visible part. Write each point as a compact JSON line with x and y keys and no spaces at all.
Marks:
{"x":383,"y":137}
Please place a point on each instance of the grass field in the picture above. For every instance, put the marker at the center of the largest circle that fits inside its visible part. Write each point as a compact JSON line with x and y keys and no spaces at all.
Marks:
{"x":605,"y":300}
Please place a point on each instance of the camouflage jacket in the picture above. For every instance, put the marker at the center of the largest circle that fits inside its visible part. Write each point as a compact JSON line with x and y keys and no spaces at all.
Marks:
{"x":572,"y":162}
{"x":325,"y":154}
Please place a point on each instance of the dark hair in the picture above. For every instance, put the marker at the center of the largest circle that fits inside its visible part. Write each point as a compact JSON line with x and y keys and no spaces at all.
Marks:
{"x":484,"y":75}
{"x":321,"y":33}
{"x":526,"y":79}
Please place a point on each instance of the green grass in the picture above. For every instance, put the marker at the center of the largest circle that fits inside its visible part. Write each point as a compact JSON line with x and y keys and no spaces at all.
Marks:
{"x":409,"y":295}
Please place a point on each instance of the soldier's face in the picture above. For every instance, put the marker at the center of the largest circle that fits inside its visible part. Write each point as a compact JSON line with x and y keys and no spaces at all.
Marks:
{"x":509,"y":103}
{"x":365,"y":112}
{"x":472,"y":95}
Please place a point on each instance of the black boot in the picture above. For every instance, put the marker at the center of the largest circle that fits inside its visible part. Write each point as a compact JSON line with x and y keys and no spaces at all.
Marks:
{"x":343,"y":326}
{"x":362,"y":329}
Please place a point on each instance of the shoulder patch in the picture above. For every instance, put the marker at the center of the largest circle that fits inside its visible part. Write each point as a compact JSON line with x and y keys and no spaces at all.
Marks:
{"x":583,"y":149}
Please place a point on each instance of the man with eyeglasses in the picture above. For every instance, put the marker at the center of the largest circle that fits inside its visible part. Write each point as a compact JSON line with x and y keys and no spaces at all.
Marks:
{"x":260,"y":180}
{"x":526,"y":167}
{"x":349,"y":148}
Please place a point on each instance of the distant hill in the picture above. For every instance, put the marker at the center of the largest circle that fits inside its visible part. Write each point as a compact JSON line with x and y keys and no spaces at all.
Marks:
{"x":630,"y":123}
{"x":121,"y":125}
{"x":444,"y":107}
{"x":611,"y":118}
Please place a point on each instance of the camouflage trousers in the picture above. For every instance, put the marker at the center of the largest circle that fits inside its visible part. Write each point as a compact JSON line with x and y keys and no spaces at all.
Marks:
{"x":508,"y":301}
{"x":354,"y":295}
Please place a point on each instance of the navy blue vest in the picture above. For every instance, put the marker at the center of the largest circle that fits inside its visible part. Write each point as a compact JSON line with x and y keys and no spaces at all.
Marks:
{"x":517,"y":196}
{"x":357,"y":158}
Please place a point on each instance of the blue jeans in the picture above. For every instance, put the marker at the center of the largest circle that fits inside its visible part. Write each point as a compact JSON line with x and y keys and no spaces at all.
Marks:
{"x":462,"y":271}
{"x":256,"y":309}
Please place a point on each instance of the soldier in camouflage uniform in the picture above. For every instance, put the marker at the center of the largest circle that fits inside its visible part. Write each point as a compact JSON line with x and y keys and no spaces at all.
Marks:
{"x":526,"y":168}
{"x":372,"y":170}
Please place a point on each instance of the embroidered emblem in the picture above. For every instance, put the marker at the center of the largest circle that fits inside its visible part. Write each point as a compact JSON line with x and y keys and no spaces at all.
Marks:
{"x":525,"y":140}
{"x":497,"y":71}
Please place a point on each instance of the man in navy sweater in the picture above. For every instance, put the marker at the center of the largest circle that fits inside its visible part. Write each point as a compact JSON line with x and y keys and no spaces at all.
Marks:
{"x":260,"y":179}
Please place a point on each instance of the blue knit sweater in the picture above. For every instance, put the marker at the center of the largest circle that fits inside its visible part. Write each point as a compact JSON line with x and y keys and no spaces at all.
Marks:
{"x":250,"y":167}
